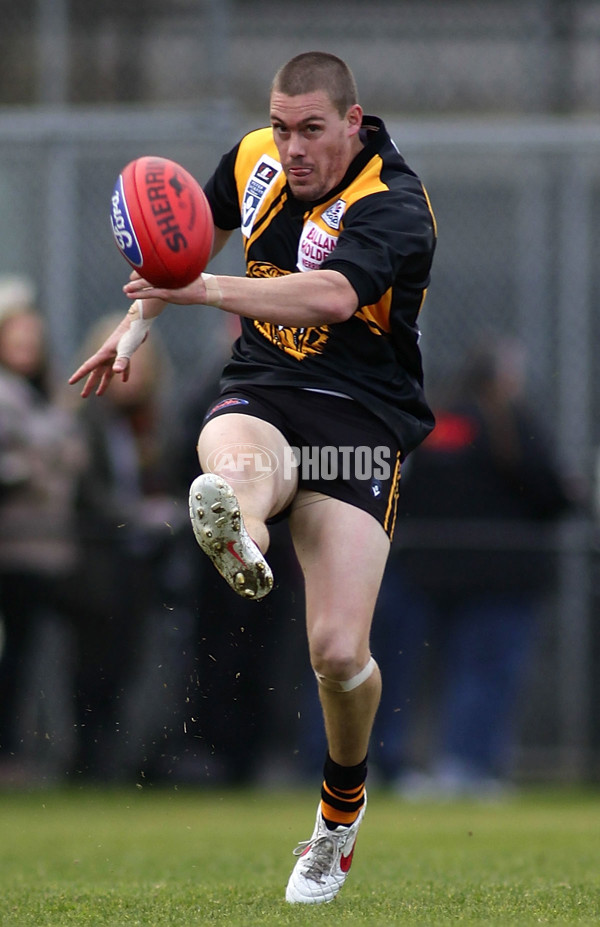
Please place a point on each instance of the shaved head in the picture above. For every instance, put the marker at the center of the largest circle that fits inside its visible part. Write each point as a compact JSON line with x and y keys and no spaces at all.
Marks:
{"x":312,"y":71}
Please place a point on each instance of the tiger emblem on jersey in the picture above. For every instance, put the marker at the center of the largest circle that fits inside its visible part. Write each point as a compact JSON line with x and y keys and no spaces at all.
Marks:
{"x":297,"y":342}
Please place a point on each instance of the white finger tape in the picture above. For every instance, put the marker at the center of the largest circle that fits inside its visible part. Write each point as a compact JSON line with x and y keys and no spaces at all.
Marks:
{"x":133,"y":337}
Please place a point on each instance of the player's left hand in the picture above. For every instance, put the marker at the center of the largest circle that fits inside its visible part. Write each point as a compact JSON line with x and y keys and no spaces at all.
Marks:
{"x":191,"y":295}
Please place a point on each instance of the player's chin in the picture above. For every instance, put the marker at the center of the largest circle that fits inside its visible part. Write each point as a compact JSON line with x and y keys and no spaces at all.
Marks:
{"x":303,"y":192}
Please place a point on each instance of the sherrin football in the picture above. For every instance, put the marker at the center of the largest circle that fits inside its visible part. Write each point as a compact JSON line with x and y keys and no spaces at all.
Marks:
{"x":162,"y":221}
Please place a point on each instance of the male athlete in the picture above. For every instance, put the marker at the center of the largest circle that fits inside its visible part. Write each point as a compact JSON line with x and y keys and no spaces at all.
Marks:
{"x":339,"y":239}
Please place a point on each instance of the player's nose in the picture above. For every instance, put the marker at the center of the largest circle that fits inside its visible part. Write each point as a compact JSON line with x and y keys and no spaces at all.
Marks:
{"x":296,"y":148}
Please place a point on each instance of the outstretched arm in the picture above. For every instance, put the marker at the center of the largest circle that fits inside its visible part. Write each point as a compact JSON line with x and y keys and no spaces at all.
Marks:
{"x":316,"y":297}
{"x":113,"y":356}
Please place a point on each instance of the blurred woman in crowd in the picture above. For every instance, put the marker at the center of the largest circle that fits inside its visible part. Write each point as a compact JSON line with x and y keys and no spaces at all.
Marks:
{"x":131,"y":518}
{"x":42,"y":458}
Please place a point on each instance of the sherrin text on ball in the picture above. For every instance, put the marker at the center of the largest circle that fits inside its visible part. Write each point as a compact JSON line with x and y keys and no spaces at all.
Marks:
{"x":162,"y":222}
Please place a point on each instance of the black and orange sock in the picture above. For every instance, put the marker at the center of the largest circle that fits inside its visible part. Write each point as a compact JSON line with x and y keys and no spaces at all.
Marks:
{"x":342,"y":792}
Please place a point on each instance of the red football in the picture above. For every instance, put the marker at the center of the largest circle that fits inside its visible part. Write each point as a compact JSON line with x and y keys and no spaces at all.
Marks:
{"x":162,"y":221}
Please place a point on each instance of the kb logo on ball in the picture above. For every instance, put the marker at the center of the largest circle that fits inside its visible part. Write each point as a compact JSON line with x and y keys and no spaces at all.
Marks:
{"x":243,"y":463}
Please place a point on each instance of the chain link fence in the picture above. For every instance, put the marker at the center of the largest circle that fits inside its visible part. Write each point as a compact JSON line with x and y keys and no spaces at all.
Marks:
{"x":516,"y":200}
{"x":410,"y":56}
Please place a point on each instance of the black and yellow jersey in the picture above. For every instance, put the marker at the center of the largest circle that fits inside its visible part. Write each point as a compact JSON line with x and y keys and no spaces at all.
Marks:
{"x":377,"y":229}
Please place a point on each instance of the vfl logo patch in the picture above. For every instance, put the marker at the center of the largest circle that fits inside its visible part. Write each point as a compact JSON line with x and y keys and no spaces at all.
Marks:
{"x":333,"y":215}
{"x":264,"y":173}
{"x":122,"y":226}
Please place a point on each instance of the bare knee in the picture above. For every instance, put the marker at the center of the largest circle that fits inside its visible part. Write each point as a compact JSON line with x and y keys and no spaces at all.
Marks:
{"x":337,"y":658}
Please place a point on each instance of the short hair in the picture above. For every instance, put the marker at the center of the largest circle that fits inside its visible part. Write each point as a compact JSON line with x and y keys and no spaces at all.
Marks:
{"x":316,"y":70}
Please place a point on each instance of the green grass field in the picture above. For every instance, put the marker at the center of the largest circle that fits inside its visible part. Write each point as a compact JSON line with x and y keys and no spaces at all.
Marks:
{"x":182,"y":857}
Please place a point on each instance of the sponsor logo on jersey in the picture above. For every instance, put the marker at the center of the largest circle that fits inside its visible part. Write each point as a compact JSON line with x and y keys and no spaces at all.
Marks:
{"x":314,"y":246}
{"x":333,"y":215}
{"x":264,"y":173}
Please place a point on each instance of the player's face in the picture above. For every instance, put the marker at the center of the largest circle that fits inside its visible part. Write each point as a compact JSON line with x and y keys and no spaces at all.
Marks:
{"x":315,"y":143}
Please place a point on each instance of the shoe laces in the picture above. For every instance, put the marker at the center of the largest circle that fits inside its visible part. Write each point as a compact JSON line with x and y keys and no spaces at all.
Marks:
{"x":322,"y":856}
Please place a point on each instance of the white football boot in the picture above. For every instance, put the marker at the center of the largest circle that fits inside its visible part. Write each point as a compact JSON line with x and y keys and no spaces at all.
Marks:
{"x":324,"y":862}
{"x":220,"y":532}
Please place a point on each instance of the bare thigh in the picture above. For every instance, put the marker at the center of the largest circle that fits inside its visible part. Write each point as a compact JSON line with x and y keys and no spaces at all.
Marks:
{"x":249,"y":453}
{"x":342,"y":551}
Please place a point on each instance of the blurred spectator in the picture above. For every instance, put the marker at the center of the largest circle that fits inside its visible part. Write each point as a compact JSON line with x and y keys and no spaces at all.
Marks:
{"x":134,"y":583}
{"x":42,"y":457}
{"x":465,"y":580}
{"x":240,"y":707}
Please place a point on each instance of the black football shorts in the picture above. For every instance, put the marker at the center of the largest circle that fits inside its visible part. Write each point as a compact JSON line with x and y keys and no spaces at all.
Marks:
{"x":338,"y":446}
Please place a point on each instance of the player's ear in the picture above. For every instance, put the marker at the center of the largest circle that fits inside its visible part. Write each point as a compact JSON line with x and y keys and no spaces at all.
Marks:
{"x":354,"y":118}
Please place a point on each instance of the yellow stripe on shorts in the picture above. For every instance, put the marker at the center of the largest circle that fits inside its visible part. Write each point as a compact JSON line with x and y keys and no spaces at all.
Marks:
{"x":389,"y":522}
